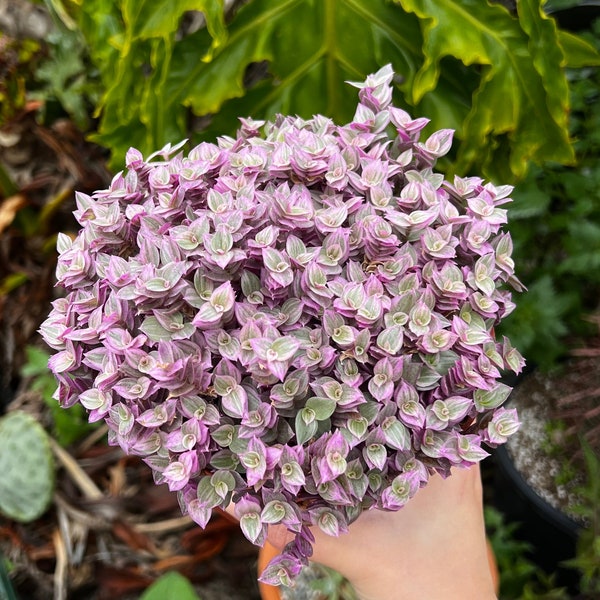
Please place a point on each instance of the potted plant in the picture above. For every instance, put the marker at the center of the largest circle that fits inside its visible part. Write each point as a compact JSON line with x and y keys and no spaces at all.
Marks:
{"x":298,"y":320}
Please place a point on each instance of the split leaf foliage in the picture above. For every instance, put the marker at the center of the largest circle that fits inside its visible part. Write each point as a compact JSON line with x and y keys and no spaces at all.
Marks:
{"x":470,"y":65}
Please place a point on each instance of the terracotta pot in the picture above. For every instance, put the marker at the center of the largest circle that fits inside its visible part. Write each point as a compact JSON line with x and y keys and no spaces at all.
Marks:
{"x":269,"y":592}
{"x":265,"y":555}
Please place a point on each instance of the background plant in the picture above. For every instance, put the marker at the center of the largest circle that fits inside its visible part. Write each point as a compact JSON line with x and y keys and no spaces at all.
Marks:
{"x":500,"y":85}
{"x":18,"y":60}
{"x":27,"y":467}
{"x":555,"y":224}
{"x":520,"y":577}
{"x":587,"y":559}
{"x":171,"y":586}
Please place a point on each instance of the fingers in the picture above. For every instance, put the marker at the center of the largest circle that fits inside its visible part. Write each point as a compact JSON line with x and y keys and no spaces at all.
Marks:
{"x":443,"y":506}
{"x":451,"y":505}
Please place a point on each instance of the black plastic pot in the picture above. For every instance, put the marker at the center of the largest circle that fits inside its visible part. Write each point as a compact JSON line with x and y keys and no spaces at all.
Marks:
{"x":578,"y":17}
{"x":551,"y":533}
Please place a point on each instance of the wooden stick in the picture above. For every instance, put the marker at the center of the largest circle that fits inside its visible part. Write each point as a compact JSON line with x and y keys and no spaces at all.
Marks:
{"x":60,"y":571}
{"x":81,"y":479}
{"x":164,"y":526}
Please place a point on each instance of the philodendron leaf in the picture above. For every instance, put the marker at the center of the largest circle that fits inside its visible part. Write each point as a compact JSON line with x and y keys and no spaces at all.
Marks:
{"x":578,"y":52}
{"x":468,"y":65}
{"x":522,"y":94}
{"x":312,"y":47}
{"x":27,"y":467}
{"x":171,"y":586}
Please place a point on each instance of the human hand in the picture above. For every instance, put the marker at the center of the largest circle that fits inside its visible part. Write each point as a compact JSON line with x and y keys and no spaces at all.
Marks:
{"x":434,"y":548}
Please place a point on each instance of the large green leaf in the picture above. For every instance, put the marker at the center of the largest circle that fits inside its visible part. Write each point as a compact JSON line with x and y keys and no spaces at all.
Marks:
{"x":522,"y":93}
{"x":496,"y":78}
{"x":312,"y":47}
{"x":578,"y":52}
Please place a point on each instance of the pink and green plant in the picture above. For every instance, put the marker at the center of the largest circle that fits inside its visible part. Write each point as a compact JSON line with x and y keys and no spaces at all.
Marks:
{"x":298,"y":320}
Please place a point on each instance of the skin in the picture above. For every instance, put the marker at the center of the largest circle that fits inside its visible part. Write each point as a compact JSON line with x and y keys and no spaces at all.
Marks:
{"x":433,"y":548}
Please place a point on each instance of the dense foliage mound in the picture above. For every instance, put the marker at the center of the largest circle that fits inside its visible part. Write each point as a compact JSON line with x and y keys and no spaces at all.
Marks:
{"x":298,"y":320}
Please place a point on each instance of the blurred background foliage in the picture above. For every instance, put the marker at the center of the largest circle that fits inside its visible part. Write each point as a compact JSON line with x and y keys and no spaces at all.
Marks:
{"x":496,"y":77}
{"x":555,"y":224}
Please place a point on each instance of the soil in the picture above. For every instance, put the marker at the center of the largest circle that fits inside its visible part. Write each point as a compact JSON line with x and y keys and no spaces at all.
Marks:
{"x":545,"y":451}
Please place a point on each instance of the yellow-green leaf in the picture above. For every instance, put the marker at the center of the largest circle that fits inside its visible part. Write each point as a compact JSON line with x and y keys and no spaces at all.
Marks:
{"x":578,"y":52}
{"x":496,"y":78}
{"x":520,"y":107}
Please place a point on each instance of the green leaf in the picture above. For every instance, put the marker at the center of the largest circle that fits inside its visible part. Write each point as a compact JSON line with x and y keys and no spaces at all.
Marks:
{"x":223,"y":435}
{"x":223,"y":482}
{"x":65,"y":76}
{"x":522,"y":90}
{"x":27,"y":467}
{"x":207,"y":493}
{"x":396,"y":434}
{"x":538,"y":322}
{"x":36,"y":363}
{"x":578,"y":53}
{"x":171,"y":586}
{"x":303,"y":430}
{"x":357,"y":426}
{"x":465,"y":64}
{"x":427,"y":380}
{"x":528,"y":201}
{"x":154,"y":330}
{"x":251,"y":525}
{"x":488,"y":399}
{"x":322,"y":407}
{"x":146,"y":19}
{"x":152,"y":78}
{"x":308,"y":69}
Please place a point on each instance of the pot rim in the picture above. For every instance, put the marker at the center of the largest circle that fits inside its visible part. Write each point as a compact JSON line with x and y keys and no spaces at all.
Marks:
{"x":551,"y":514}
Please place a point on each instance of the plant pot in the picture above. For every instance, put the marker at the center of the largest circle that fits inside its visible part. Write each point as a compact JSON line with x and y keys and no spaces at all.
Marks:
{"x":552,"y":534}
{"x":269,"y":592}
{"x":265,"y":555}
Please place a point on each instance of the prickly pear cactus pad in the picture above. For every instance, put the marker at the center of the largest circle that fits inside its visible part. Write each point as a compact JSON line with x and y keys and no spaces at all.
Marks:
{"x":299,"y":320}
{"x":26,"y":467}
